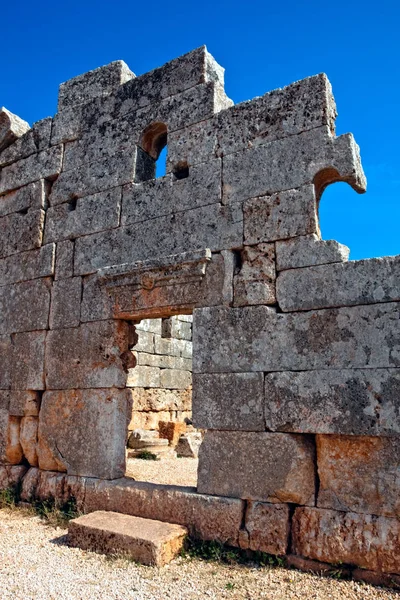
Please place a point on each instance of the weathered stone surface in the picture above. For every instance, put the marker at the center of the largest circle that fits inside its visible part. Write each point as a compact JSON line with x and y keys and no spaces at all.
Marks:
{"x":28,"y":439}
{"x":189,"y":444}
{"x":341,"y":401}
{"x":255,"y":281}
{"x":160,"y":400}
{"x":21,"y":232}
{"x":47,"y":485}
{"x":152,"y":325}
{"x":64,"y":260}
{"x":28,"y":361}
{"x":378,"y":280}
{"x":359,"y":474}
{"x":145,"y":342}
{"x":71,"y":123}
{"x":173,"y":347}
{"x":290,"y":163}
{"x":147,"y":541}
{"x":229,"y":401}
{"x":6,"y":361}
{"x":282,"y":472}
{"x":367,"y":541}
{"x":266,"y":528}
{"x":309,"y":250}
{"x":174,"y":379}
{"x":11,"y":128}
{"x":168,"y":195}
{"x":94,"y":355}
{"x":30,"y":196}
{"x":258,"y":339}
{"x":65,"y":306}
{"x":171,"y":431}
{"x":94,"y":177}
{"x":24,"y":403}
{"x":93,"y":420}
{"x":149,"y":420}
{"x":4,"y":416}
{"x":91,"y":214}
{"x":24,"y":266}
{"x":163,"y":361}
{"x":93,"y":84}
{"x":208,"y":517}
{"x":216,"y":227}
{"x":34,"y":140}
{"x":192,"y":144}
{"x":10,"y":476}
{"x":25,"y":306}
{"x":14,"y":453}
{"x":44,"y":165}
{"x":281,"y":215}
{"x":141,"y":376}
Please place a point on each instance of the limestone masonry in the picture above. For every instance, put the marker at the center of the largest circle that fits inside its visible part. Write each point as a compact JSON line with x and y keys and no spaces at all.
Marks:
{"x":296,"y":350}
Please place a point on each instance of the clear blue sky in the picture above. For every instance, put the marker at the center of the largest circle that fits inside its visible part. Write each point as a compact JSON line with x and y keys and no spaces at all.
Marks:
{"x":262,"y":45}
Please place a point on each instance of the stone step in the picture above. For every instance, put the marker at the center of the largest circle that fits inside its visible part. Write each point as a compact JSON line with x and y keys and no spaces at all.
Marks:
{"x":147,"y":541}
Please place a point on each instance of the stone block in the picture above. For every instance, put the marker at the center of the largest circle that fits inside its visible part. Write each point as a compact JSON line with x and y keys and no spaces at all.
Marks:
{"x":93,"y":84}
{"x":25,"y":306}
{"x":229,"y":401}
{"x":147,"y":420}
{"x":272,"y":467}
{"x":64,"y":260}
{"x":367,"y":541}
{"x":24,"y":403}
{"x":21,"y":232}
{"x":258,"y":339}
{"x":152,"y":325}
{"x":93,"y":420}
{"x":168,"y":195}
{"x":359,"y":474}
{"x":368,"y":281}
{"x":28,"y":361}
{"x":216,"y":227}
{"x":192,"y":145}
{"x":94,"y":177}
{"x":164,"y":362}
{"x":29,"y":196}
{"x":25,"y":266}
{"x":266,"y":528}
{"x":173,"y":379}
{"x":14,"y":453}
{"x":145,"y":342}
{"x":254,"y":282}
{"x":71,"y":123}
{"x":4,"y":416}
{"x":181,"y":330}
{"x":309,"y":250}
{"x":146,"y":541}
{"x":34,"y":140}
{"x":171,"y":431}
{"x":281,"y":215}
{"x":85,"y":216}
{"x":65,"y":306}
{"x":290,"y":163}
{"x":11,"y":476}
{"x":207,"y":517}
{"x":12,"y":127}
{"x":337,"y":401}
{"x":28,"y":439}
{"x":6,"y":361}
{"x":188,"y":445}
{"x":160,"y":400}
{"x":93,"y":355}
{"x":44,"y":165}
{"x":172,"y":347}
{"x":140,"y":376}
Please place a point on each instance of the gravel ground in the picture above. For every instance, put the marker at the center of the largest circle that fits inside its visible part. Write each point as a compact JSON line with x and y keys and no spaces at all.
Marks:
{"x":36,"y":564}
{"x":172,"y":471}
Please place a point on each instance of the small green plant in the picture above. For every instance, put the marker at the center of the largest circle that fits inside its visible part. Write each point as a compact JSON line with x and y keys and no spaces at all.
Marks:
{"x":54,"y":513}
{"x":218,"y":552}
{"x":146,"y":455}
{"x":230,"y":586}
{"x":9,"y":497}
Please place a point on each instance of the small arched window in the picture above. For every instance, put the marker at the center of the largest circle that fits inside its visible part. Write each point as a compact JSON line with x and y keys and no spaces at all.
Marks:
{"x":152,"y":152}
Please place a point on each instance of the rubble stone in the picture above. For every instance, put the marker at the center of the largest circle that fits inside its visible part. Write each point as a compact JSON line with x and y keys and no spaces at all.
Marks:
{"x":189,"y":444}
{"x":305,"y":251}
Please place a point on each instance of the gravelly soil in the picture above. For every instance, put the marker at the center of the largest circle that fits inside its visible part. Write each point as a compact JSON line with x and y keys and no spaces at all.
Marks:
{"x":172,"y":471}
{"x":36,"y":564}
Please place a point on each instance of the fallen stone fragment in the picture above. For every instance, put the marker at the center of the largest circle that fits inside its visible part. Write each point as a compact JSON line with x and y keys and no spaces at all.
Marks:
{"x":11,"y":128}
{"x":189,"y":444}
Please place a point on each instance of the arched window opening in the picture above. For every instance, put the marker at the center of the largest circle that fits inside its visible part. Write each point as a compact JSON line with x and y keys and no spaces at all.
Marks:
{"x":152,"y":152}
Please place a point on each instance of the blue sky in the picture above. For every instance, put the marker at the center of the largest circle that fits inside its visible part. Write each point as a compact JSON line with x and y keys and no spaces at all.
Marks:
{"x":262,"y":45}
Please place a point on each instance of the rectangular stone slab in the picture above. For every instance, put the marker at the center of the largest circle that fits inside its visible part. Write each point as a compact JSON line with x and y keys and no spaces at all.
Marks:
{"x":368,"y":541}
{"x":367,"y":281}
{"x":21,"y":232}
{"x":34,"y":140}
{"x":309,"y":250}
{"x":25,"y":266}
{"x":28,"y":361}
{"x":31,"y":195}
{"x":337,"y":401}
{"x":25,"y":306}
{"x":272,"y":467}
{"x":44,"y":165}
{"x":258,"y":339}
{"x":147,"y":541}
{"x":359,"y":474}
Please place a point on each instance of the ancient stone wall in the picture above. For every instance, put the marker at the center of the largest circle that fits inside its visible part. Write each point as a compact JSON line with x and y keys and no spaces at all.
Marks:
{"x":296,"y":350}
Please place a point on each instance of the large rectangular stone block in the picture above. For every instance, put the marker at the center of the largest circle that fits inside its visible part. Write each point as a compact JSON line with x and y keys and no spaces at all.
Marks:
{"x":254,"y":281}
{"x":272,"y":467}
{"x":266,"y":528}
{"x":64,"y":260}
{"x":21,"y":232}
{"x":168,"y":195}
{"x":28,"y":361}
{"x":34,"y":140}
{"x":216,"y":227}
{"x":89,"y":439}
{"x":44,"y":165}
{"x":143,"y":376}
{"x":25,"y":306}
{"x":258,"y":339}
{"x":24,"y":403}
{"x":93,"y":355}
{"x":93,"y":213}
{"x":193,"y":144}
{"x":359,"y":474}
{"x":175,"y":379}
{"x":367,"y":281}
{"x":65,"y":306}
{"x":368,"y":541}
{"x":345,"y":401}
{"x":25,"y":266}
{"x":229,"y":401}
{"x":6,"y":361}
{"x":290,"y":163}
{"x":20,"y":200}
{"x":309,"y":250}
